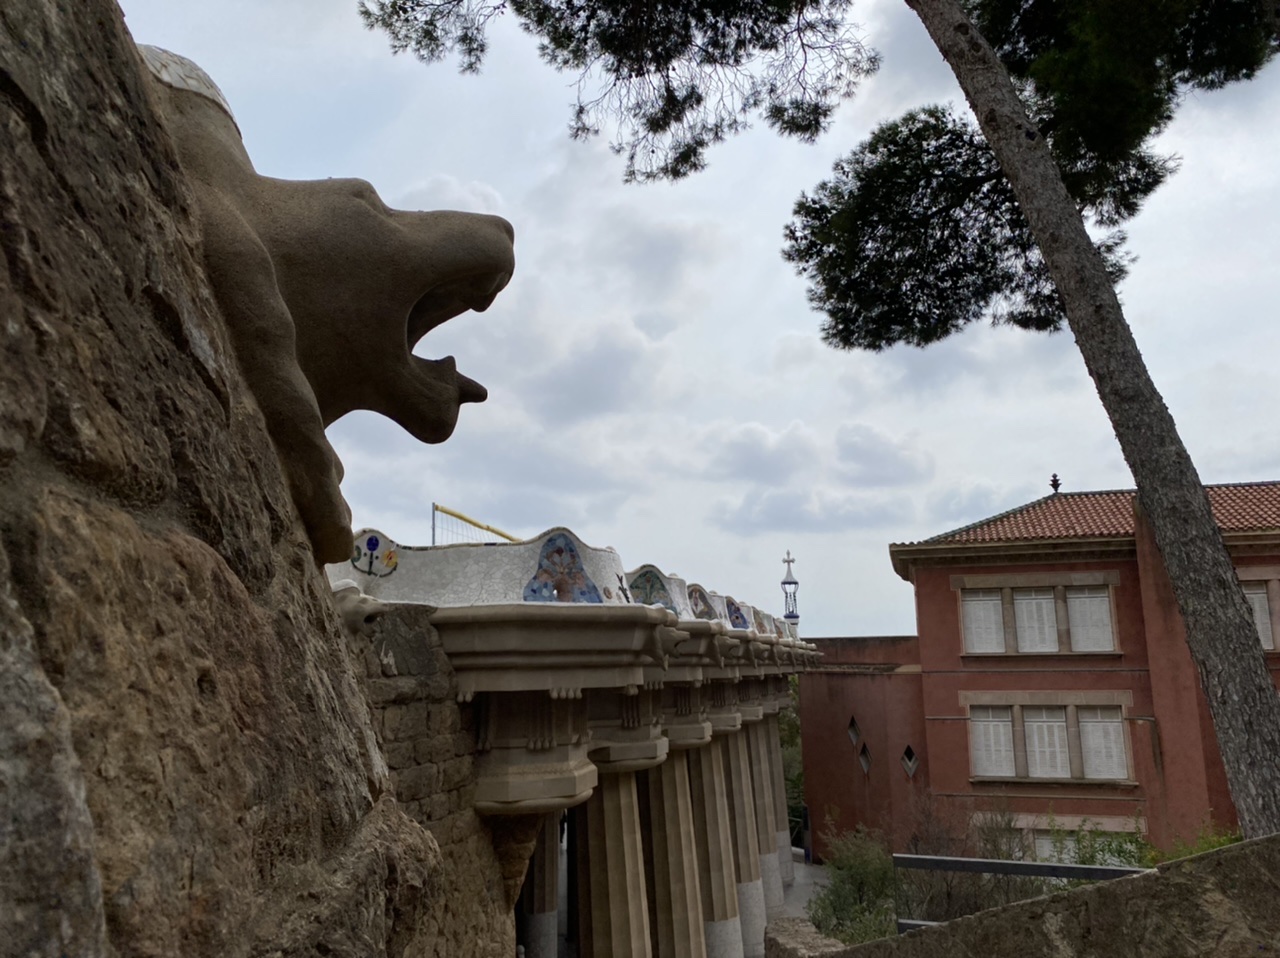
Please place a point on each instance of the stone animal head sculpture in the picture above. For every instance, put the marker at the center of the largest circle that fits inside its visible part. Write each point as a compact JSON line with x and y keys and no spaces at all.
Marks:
{"x":326,"y":292}
{"x":359,"y":612}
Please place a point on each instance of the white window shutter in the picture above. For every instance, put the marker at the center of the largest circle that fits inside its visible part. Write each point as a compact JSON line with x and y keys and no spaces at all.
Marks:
{"x":983,"y":620}
{"x":991,"y":740}
{"x":1046,"y":735}
{"x":1256,"y":593}
{"x":1102,"y":743}
{"x":1037,"y":624}
{"x":1089,"y":617}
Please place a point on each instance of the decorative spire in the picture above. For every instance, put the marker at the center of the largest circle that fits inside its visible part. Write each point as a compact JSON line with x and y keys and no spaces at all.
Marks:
{"x":789,"y":586}
{"x":1055,"y":483}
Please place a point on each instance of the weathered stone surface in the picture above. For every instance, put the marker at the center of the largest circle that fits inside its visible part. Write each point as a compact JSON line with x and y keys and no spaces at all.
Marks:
{"x":1220,"y":904}
{"x":429,"y":740}
{"x":187,"y":763}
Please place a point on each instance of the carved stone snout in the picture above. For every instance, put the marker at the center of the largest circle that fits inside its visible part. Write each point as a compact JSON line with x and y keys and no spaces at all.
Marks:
{"x":359,"y":612}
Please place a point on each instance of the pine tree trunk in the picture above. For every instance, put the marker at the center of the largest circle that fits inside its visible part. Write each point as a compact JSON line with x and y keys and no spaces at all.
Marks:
{"x":1220,"y":630}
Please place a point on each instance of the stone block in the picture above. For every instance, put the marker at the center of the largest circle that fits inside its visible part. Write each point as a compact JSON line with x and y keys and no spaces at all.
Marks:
{"x":457,"y":772}
{"x":387,"y":691}
{"x":464,"y":743}
{"x":418,"y":782}
{"x":438,"y":806}
{"x":443,"y":717}
{"x":399,"y":755}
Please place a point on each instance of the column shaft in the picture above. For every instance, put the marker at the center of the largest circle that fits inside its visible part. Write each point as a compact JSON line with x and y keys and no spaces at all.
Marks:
{"x":766,"y":817}
{"x":618,"y":912}
{"x":713,"y":838}
{"x":746,"y":845}
{"x":786,"y":865}
{"x":671,"y":867}
{"x":539,"y":899}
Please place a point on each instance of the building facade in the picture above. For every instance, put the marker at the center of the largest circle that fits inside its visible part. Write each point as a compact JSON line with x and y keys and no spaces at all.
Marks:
{"x":1050,"y":680}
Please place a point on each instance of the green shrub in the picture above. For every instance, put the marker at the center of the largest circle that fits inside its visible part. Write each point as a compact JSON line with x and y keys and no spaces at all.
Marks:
{"x":856,"y":903}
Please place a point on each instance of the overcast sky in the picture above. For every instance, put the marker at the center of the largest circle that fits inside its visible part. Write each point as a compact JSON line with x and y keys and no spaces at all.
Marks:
{"x":656,"y":380}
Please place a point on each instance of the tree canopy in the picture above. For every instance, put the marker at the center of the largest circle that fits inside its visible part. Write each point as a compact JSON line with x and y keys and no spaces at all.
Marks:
{"x":918,"y":234}
{"x":677,"y":76}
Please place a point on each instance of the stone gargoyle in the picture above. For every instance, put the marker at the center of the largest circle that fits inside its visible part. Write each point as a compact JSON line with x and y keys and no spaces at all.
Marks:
{"x":326,"y":292}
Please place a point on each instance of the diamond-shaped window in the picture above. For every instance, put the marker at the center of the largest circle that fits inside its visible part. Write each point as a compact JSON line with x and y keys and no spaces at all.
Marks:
{"x":910,"y":760}
{"x":864,"y":759}
{"x":855,"y":733}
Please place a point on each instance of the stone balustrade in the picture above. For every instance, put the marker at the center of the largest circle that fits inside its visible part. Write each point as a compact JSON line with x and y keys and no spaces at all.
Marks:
{"x":537,"y":690}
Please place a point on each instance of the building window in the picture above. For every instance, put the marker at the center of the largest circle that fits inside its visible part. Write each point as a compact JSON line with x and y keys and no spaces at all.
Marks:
{"x":1256,"y":593}
{"x":855,"y":733}
{"x":864,"y":759}
{"x":1045,"y":729}
{"x":1054,"y":846}
{"x":1047,"y":741}
{"x":1037,"y":625}
{"x":1047,"y":619}
{"x":1102,"y":742}
{"x":983,"y":620}
{"x":910,"y":761}
{"x":991,"y":740}
{"x":1089,"y":619}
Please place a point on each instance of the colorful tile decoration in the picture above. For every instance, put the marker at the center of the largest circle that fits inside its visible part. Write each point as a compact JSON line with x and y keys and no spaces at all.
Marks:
{"x":760,"y":626}
{"x":736,"y":619}
{"x":560,"y":576}
{"x":374,"y":555}
{"x":647,"y":588}
{"x":701,"y":603}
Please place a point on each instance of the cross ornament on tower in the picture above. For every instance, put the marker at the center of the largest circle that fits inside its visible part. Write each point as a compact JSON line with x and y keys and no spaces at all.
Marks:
{"x":789,"y":587}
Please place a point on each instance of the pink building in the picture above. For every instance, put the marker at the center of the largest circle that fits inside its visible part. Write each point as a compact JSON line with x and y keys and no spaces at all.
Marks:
{"x":1050,"y":678}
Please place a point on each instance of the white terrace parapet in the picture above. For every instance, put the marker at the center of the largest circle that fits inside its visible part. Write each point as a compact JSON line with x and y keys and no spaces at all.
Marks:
{"x":576,"y":667}
{"x":554,"y":567}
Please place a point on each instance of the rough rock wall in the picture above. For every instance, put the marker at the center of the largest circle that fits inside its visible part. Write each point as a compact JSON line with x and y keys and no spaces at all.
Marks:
{"x":1222,"y":904}
{"x":430,"y":743}
{"x":187,"y":764}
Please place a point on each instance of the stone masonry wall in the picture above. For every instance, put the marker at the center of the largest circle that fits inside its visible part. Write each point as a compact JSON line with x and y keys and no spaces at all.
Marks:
{"x":1221,"y":904}
{"x":429,"y":741}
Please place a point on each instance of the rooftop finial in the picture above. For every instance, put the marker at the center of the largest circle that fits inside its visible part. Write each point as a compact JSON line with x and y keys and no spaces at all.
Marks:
{"x":789,"y":586}
{"x":1054,"y":482}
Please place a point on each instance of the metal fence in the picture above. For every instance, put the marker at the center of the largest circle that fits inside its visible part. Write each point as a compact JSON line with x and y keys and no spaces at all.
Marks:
{"x":996,"y":866}
{"x":449,"y":526}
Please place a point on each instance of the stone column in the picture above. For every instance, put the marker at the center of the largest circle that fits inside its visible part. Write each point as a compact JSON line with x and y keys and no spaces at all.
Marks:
{"x":713,"y":838}
{"x":540,"y":898}
{"x":746,"y":847}
{"x":671,"y":865}
{"x":766,"y":817}
{"x":613,"y":911}
{"x":786,"y":865}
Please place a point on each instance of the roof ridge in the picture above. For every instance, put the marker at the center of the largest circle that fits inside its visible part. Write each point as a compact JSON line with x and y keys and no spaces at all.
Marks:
{"x":1108,"y":512}
{"x":983,"y":522}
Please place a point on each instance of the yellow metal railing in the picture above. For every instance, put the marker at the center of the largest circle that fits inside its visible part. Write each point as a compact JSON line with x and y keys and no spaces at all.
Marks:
{"x":436,"y":536}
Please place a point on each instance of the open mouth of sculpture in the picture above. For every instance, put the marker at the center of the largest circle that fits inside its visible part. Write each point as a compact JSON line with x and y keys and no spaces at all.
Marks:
{"x":443,"y":302}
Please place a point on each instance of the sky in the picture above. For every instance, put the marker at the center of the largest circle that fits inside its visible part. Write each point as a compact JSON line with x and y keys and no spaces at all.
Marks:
{"x":656,"y":378}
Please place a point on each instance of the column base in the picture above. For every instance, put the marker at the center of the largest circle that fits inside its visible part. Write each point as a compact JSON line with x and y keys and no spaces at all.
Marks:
{"x":786,"y":864}
{"x":751,"y":915}
{"x":724,"y":939}
{"x":771,"y":879}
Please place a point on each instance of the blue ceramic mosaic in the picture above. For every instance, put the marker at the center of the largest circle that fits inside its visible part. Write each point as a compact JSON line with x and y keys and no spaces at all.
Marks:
{"x":560,"y":576}
{"x":700,"y":602}
{"x":736,"y":619}
{"x":647,"y":588}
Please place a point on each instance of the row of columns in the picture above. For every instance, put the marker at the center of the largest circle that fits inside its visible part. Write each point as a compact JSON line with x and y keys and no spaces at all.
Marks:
{"x":684,"y":859}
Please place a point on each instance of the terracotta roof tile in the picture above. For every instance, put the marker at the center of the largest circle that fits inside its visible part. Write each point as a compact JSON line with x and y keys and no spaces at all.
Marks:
{"x":1238,"y":507}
